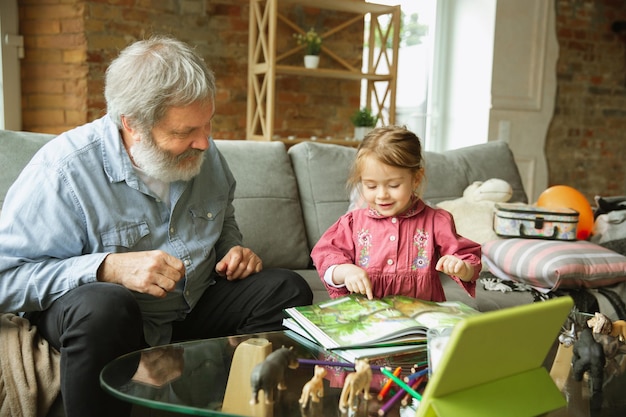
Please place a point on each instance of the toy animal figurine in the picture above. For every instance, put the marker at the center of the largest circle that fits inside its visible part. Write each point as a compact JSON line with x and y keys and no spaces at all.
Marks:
{"x":270,"y":373}
{"x":588,"y":356}
{"x":355,"y":383}
{"x":619,"y":330}
{"x":313,"y":389}
{"x":603,"y":325}
{"x":568,"y":336}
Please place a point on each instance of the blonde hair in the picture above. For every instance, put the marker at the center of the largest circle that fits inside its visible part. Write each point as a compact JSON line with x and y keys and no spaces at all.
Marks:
{"x":392,"y":145}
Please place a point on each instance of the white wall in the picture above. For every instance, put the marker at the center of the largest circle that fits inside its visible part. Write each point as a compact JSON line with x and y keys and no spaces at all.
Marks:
{"x":524,"y":85}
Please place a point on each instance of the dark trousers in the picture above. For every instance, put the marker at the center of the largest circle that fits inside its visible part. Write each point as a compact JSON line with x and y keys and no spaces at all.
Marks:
{"x":95,"y":323}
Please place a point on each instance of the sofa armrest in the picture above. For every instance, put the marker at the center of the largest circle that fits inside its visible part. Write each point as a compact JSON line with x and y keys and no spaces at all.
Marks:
{"x":17,"y":150}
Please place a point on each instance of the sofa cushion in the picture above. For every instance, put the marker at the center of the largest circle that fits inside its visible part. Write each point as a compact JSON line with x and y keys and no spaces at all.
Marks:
{"x":553,"y":264}
{"x":448,"y":174}
{"x":17,"y":150}
{"x":321,"y":171}
{"x":266,"y":203}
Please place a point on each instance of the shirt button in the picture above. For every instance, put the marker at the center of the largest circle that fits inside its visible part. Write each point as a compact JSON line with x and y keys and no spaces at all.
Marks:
{"x":389,"y":261}
{"x":187,"y":293}
{"x":394,"y":220}
{"x":172,"y":230}
{"x":187,"y":262}
{"x":158,"y":200}
{"x":209,"y":215}
{"x":392,"y":238}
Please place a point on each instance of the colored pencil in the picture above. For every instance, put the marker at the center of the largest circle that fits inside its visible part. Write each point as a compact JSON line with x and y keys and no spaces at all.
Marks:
{"x":394,"y":399}
{"x":401,"y":383}
{"x":415,"y":375}
{"x":415,"y":385}
{"x":387,"y":386}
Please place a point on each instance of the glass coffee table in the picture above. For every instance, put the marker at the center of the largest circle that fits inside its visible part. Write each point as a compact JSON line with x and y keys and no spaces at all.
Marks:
{"x":212,"y":378}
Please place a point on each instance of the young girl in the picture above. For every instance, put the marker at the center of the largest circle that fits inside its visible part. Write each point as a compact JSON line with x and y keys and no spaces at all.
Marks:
{"x":397,"y":244}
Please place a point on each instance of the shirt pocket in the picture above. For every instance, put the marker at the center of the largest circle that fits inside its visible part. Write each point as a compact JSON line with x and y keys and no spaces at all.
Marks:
{"x":127,"y":237}
{"x":208,"y":214}
{"x":207,"y":218}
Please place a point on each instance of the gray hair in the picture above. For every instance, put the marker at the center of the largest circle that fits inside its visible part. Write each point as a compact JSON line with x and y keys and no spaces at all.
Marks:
{"x":150,"y":76}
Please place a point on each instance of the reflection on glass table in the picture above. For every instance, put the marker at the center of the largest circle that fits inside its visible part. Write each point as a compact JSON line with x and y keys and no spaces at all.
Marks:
{"x":212,"y":378}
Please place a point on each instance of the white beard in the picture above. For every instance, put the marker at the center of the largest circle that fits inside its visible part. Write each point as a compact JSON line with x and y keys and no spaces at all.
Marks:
{"x":164,"y":166}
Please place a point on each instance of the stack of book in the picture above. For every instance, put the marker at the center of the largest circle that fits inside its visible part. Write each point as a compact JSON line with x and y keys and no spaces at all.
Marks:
{"x":354,"y":327}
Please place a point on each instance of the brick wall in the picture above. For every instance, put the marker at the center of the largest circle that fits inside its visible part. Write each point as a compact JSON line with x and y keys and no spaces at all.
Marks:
{"x":586,"y":142}
{"x":69,"y":44}
{"x":54,"y":70}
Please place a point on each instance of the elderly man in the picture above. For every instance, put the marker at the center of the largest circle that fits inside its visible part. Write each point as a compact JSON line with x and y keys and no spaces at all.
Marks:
{"x":121,"y":233}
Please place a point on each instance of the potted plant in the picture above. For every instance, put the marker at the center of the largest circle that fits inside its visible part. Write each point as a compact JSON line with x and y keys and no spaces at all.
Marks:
{"x":313,"y":46}
{"x":363,"y":121}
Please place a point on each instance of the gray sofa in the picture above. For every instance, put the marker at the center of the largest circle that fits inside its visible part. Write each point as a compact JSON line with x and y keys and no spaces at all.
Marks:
{"x":286,"y":199}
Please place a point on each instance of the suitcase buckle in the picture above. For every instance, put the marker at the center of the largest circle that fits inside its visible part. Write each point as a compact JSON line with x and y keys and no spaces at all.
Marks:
{"x":539,"y":222}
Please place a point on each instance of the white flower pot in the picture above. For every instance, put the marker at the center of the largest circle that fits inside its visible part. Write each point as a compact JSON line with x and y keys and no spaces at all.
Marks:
{"x":311,"y":61}
{"x":361,"y":131}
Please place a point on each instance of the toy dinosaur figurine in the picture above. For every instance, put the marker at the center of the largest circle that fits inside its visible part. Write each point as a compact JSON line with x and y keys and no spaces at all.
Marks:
{"x":270,"y":373}
{"x":313,"y":389}
{"x":355,"y":383}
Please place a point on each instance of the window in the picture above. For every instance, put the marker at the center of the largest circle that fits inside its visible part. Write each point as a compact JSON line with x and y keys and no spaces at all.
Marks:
{"x":415,"y":63}
{"x":444,"y":70}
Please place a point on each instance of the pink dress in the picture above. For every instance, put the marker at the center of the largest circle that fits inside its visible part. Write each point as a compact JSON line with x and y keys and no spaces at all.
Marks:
{"x":399,"y":253}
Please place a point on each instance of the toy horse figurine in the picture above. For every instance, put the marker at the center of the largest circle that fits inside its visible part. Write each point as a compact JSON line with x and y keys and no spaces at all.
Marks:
{"x":313,"y":389}
{"x":588,"y":356}
{"x":355,"y":383}
{"x":270,"y":373}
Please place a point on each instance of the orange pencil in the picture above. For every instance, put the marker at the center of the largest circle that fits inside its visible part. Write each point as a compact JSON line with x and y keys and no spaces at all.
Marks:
{"x":388,"y":384}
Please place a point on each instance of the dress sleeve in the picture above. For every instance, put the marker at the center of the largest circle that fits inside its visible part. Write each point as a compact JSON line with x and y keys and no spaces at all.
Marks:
{"x":449,"y":242}
{"x":335,"y":247}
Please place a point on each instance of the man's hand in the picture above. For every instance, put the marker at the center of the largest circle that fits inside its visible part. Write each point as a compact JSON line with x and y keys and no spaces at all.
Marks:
{"x":239,"y":263}
{"x":151,"y":272}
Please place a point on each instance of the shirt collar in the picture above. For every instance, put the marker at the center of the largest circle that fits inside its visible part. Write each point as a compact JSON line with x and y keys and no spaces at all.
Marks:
{"x":415,"y":208}
{"x":117,"y":163}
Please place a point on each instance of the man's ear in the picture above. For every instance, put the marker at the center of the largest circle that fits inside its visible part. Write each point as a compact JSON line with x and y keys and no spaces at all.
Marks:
{"x":130,"y":134}
{"x":126,"y":125}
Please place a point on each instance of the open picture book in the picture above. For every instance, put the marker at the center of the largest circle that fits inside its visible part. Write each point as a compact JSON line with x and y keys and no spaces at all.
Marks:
{"x":354,"y":321}
{"x":407,"y":355}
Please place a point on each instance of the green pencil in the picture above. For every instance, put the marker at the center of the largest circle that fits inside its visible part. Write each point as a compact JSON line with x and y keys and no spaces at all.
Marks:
{"x":401,"y":383}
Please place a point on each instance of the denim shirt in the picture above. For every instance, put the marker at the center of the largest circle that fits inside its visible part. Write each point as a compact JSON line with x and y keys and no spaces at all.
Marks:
{"x":80,"y":199}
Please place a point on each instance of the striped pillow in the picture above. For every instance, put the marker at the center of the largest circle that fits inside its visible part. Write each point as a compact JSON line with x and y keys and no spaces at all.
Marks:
{"x":553,"y":264}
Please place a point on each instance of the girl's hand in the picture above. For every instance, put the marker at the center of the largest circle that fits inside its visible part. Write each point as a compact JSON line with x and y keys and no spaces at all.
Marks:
{"x":451,"y":265}
{"x":354,"y":278}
